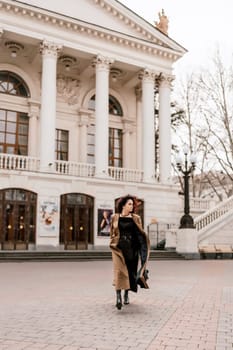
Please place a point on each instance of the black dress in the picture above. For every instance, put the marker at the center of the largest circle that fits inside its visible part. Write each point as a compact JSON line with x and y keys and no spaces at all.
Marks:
{"x":129,"y":245}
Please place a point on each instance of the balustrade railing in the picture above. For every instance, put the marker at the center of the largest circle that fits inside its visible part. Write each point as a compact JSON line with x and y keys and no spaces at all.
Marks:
{"x":27,"y":163}
{"x":123,"y":174}
{"x":199,"y":204}
{"x":74,"y":168}
{"x":213,"y":214}
{"x":15,"y":162}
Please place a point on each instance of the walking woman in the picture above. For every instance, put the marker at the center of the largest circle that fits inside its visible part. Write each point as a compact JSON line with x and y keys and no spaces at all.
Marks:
{"x":128,"y":243}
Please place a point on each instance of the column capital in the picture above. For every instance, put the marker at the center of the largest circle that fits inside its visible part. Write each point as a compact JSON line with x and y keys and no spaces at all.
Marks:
{"x":129,"y":127}
{"x":50,"y":49}
{"x":34,"y":109}
{"x":147,"y":74}
{"x":83,"y":120}
{"x":165,"y":80}
{"x":102,"y":62}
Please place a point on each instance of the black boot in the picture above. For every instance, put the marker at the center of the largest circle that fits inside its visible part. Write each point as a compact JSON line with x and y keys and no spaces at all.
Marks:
{"x":118,"y":299}
{"x":126,"y":297}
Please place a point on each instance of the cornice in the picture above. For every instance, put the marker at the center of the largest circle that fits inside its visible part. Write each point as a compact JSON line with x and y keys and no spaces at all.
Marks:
{"x":150,"y":45}
{"x":145,"y":29}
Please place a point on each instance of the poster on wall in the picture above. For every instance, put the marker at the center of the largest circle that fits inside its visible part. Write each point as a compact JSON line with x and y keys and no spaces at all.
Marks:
{"x":104,"y":221}
{"x":48,"y":217}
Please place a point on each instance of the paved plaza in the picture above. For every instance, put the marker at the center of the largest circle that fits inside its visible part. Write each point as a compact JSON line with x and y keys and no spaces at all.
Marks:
{"x":71,"y":306}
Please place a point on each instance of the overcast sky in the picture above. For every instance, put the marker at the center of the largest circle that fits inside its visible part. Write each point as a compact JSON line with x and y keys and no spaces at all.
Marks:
{"x":198,"y":25}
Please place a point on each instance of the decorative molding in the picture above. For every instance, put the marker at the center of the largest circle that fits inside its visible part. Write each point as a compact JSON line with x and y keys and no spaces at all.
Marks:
{"x":150,"y":45}
{"x":147,"y":74}
{"x":138,"y":92}
{"x":127,"y":21}
{"x":51,"y":49}
{"x":102,"y":61}
{"x":165,"y":80}
{"x":14,"y":47}
{"x":67,"y":61}
{"x":34,"y":109}
{"x":68,"y":89}
{"x":116,"y":74}
{"x":129,"y":126}
{"x":84,"y":120}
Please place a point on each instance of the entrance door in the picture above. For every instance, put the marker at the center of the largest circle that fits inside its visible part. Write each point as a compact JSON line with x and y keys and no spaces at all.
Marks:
{"x":76,"y":226}
{"x":17,"y":218}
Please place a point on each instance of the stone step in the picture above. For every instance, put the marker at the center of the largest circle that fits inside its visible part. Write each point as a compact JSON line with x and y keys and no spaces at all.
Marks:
{"x":71,"y":255}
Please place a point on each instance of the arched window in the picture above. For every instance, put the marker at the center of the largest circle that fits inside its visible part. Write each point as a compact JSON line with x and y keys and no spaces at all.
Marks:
{"x":114,"y":106}
{"x":14,"y":125}
{"x":12,"y":84}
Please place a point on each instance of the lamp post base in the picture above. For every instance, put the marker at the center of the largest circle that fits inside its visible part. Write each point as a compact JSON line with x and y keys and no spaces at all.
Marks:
{"x":186,"y":221}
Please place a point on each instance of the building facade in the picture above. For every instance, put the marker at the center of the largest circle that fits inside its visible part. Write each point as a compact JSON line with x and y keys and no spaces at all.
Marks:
{"x":77,"y":130}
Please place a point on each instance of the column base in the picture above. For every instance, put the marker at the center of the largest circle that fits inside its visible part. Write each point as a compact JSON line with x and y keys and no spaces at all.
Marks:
{"x":187,"y":244}
{"x":101,"y":174}
{"x":48,"y":168}
{"x":149,"y":179}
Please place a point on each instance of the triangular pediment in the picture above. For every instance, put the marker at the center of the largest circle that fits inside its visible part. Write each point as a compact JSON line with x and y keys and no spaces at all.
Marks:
{"x":110,"y":15}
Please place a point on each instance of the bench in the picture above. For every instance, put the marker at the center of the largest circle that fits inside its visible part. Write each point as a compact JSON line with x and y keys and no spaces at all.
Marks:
{"x":224,"y":250}
{"x":216,"y":251}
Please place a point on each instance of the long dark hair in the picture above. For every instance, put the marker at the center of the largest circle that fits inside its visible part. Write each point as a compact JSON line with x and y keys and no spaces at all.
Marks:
{"x":123,"y":200}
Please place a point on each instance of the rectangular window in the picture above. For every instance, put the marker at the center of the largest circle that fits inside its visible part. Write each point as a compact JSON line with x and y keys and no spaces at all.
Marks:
{"x":115,"y":147}
{"x":14,"y":132}
{"x":62,"y":144}
{"x":91,"y":144}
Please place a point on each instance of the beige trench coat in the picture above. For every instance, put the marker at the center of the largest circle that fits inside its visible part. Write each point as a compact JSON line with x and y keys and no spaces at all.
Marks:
{"x":121,"y":277}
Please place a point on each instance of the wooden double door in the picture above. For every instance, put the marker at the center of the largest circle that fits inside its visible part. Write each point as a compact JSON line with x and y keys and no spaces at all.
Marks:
{"x":17,"y":218}
{"x":76,"y":223}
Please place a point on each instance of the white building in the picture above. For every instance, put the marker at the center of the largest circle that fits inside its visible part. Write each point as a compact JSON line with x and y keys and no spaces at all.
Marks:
{"x":77,"y":84}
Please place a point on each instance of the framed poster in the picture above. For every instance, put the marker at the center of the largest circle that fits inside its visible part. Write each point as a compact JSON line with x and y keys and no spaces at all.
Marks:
{"x":104,"y":221}
{"x":48,"y":217}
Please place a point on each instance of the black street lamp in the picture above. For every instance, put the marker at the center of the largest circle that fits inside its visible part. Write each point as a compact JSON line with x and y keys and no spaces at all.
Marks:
{"x":186,"y":220}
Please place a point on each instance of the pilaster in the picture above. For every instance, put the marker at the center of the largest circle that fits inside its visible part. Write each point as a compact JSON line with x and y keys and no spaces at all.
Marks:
{"x":33,"y":114}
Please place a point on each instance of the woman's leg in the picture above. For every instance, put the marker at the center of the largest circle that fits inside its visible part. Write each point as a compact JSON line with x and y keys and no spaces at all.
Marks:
{"x":126,"y":297}
{"x":118,"y":299}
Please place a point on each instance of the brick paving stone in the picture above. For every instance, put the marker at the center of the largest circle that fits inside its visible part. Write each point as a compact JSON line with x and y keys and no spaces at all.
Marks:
{"x":70,"y":306}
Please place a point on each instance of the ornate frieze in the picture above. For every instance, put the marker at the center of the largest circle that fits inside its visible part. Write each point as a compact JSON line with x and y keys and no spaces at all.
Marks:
{"x":68,"y":89}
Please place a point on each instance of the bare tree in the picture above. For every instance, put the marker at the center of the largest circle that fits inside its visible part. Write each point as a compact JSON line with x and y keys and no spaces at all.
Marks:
{"x":207,"y":99}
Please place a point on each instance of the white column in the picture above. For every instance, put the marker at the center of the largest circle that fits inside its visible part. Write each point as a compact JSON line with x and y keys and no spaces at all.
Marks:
{"x":138,"y":92}
{"x":164,"y":129}
{"x":102,"y":65}
{"x":49,"y":53}
{"x":33,"y":129}
{"x":148,"y":132}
